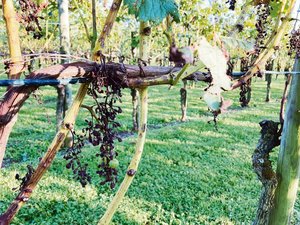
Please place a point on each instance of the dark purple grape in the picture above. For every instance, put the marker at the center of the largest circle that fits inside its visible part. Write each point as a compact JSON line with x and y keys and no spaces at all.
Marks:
{"x":231,"y":4}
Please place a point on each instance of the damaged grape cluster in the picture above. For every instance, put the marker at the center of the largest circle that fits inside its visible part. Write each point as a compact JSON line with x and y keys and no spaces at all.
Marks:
{"x":100,"y":130}
{"x":262,"y":23}
{"x":294,"y":45}
{"x":29,"y":17}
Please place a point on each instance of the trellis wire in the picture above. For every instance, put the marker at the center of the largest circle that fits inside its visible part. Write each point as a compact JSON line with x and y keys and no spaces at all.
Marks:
{"x":41,"y":82}
{"x":239,"y":74}
{"x":65,"y":81}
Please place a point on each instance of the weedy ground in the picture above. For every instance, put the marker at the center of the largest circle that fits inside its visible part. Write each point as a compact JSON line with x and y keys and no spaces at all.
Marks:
{"x":190,"y":173}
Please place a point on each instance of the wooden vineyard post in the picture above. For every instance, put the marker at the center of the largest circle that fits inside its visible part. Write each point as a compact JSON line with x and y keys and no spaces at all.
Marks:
{"x":16,"y":66}
{"x":288,"y":165}
{"x":64,"y":92}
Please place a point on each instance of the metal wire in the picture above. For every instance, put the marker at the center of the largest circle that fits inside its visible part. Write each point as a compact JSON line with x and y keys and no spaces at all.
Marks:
{"x":55,"y":82}
{"x":41,"y":82}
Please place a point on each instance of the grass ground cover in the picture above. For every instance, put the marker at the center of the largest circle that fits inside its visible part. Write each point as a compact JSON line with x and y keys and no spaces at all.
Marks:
{"x":190,"y":173}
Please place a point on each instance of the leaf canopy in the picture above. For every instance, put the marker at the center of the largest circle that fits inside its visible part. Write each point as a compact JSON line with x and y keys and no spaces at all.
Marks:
{"x":153,"y":10}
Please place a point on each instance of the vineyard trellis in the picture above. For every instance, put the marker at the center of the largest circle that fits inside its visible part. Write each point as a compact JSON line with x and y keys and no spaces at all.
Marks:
{"x":140,"y":77}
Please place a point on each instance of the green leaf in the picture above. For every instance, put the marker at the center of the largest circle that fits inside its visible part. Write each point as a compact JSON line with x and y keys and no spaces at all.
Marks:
{"x":153,"y":10}
{"x":276,"y":6}
{"x":135,"y":40}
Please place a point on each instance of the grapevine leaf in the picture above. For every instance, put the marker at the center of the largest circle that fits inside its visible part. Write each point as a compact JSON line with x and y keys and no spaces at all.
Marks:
{"x":153,"y":10}
{"x":214,"y":59}
{"x":275,"y":5}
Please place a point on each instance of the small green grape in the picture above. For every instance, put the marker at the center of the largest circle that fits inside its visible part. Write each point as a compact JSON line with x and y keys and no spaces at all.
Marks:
{"x":114,"y":163}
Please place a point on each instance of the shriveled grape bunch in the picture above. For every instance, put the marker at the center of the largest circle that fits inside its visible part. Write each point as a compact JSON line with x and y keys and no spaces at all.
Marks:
{"x":262,"y":23}
{"x":29,"y":17}
{"x":294,"y":45}
{"x":245,"y":93}
{"x":74,"y":159}
{"x":246,"y":87}
{"x":231,"y":4}
{"x":101,"y":129}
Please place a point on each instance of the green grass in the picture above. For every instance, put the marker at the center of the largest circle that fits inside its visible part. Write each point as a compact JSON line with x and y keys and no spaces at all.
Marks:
{"x":189,"y":174}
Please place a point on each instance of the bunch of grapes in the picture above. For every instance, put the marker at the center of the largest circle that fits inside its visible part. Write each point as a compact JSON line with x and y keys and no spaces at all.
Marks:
{"x":294,"y":45}
{"x":101,"y":130}
{"x":29,"y":17}
{"x":73,"y":156}
{"x":231,"y":4}
{"x":262,"y":23}
{"x":245,"y":93}
{"x":246,"y":87}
